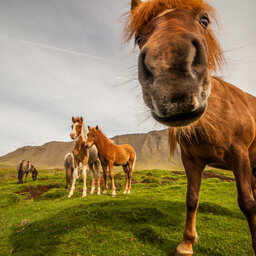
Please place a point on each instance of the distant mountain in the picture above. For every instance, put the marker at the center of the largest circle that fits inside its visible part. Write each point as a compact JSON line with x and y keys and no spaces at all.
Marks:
{"x":151,"y":150}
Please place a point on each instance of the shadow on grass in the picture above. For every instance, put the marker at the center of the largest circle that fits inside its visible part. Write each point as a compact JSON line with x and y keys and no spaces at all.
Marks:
{"x":150,"y":222}
{"x":216,"y":209}
{"x":142,"y":218}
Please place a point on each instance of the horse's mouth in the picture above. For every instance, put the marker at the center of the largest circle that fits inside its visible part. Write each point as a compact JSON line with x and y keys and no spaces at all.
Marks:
{"x":181,"y":119}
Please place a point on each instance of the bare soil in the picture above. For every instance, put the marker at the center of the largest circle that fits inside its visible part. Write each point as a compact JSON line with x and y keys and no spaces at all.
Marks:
{"x":207,"y":175}
{"x":36,"y":192}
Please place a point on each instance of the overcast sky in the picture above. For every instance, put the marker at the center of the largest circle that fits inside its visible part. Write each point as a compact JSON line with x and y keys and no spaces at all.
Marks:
{"x":63,"y":58}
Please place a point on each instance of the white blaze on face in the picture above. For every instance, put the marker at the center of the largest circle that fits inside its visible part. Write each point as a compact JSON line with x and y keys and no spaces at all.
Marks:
{"x":73,"y":133}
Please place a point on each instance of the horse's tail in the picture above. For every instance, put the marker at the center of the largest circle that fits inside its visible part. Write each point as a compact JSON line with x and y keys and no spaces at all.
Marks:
{"x":172,"y":140}
{"x":69,"y":166}
{"x":20,"y":172}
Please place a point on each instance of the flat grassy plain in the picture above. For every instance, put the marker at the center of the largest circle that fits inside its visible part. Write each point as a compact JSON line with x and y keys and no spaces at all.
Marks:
{"x":37,"y":217}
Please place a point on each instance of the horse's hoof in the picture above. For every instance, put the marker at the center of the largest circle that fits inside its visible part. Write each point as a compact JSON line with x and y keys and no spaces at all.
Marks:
{"x":69,"y":196}
{"x":128,"y":192}
{"x":92,"y":191}
{"x":125,"y":192}
{"x":113,"y":194}
{"x":104,"y":192}
{"x":184,"y":249}
{"x":84,"y":195}
{"x":98,"y":193}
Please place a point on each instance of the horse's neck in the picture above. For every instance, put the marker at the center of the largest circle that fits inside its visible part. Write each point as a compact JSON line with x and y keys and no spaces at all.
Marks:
{"x":79,"y":142}
{"x":82,"y":137}
{"x":103,"y":143}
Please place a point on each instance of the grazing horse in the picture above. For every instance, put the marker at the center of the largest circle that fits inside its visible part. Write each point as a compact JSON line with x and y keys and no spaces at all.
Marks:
{"x":213,"y":121}
{"x":24,"y":167}
{"x":110,"y":155}
{"x":83,"y":156}
{"x":69,"y":167}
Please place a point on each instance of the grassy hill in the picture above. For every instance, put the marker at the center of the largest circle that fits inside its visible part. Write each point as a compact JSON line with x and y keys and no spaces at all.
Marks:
{"x":151,"y":149}
{"x":37,"y":218}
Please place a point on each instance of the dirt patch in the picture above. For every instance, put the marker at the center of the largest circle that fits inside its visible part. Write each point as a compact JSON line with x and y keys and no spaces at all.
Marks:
{"x":146,"y":180}
{"x":36,"y":192}
{"x":207,"y":175}
{"x":118,"y":176}
{"x":167,"y":180}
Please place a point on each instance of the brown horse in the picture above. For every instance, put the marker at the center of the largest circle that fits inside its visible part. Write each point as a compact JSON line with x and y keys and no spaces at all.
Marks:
{"x":110,"y":155}
{"x":24,"y":167}
{"x":213,"y":121}
{"x":83,"y":156}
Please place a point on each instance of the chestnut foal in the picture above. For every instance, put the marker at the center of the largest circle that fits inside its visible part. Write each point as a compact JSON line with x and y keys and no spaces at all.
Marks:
{"x":213,"y":121}
{"x":110,"y":155}
{"x":83,"y":156}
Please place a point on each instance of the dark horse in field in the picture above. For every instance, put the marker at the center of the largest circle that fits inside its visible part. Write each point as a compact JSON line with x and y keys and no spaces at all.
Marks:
{"x":213,"y":121}
{"x":24,"y":167}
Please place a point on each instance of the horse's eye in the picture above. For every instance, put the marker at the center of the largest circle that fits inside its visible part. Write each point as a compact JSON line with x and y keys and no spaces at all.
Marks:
{"x":138,"y":39}
{"x":204,"y":21}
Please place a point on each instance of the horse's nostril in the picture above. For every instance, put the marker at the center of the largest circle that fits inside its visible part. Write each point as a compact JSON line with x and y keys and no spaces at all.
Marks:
{"x":144,"y":67}
{"x":199,"y":56}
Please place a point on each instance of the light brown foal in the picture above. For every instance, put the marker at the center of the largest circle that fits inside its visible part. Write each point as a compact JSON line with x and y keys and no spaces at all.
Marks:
{"x":83,"y":156}
{"x":110,"y":155}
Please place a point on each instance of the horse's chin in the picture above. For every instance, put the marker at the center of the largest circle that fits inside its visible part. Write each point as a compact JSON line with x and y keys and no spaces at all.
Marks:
{"x":181,"y":119}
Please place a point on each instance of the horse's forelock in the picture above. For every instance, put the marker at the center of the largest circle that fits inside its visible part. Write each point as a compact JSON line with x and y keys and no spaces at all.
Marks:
{"x":77,"y":120}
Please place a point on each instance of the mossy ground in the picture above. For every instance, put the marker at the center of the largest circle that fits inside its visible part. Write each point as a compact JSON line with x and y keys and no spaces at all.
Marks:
{"x":149,"y":221}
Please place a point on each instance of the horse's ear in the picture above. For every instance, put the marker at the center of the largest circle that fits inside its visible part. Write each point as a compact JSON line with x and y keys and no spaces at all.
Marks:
{"x":89,"y":128}
{"x":135,"y":3}
{"x":82,"y":119}
{"x":73,"y":119}
{"x":97,"y":128}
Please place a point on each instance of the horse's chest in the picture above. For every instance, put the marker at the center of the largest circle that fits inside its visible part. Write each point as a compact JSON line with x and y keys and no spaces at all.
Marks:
{"x":80,"y":155}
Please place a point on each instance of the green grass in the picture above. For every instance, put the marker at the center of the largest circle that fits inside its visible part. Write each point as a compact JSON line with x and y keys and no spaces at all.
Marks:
{"x":150,"y":221}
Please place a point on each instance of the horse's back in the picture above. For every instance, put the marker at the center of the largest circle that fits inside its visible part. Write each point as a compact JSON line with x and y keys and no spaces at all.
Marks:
{"x":128,"y":149}
{"x":24,"y":165}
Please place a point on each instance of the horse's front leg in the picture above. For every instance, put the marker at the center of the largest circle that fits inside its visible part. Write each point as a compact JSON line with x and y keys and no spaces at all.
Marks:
{"x":242,"y":171}
{"x":97,"y":170}
{"x":75,"y":176}
{"x":111,"y":174}
{"x":26,"y":176}
{"x":84,"y":178}
{"x":92,"y":171}
{"x":105,"y":176}
{"x":194,"y":174}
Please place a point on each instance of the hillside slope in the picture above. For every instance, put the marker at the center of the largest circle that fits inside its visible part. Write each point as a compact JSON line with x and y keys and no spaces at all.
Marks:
{"x":151,"y":149}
